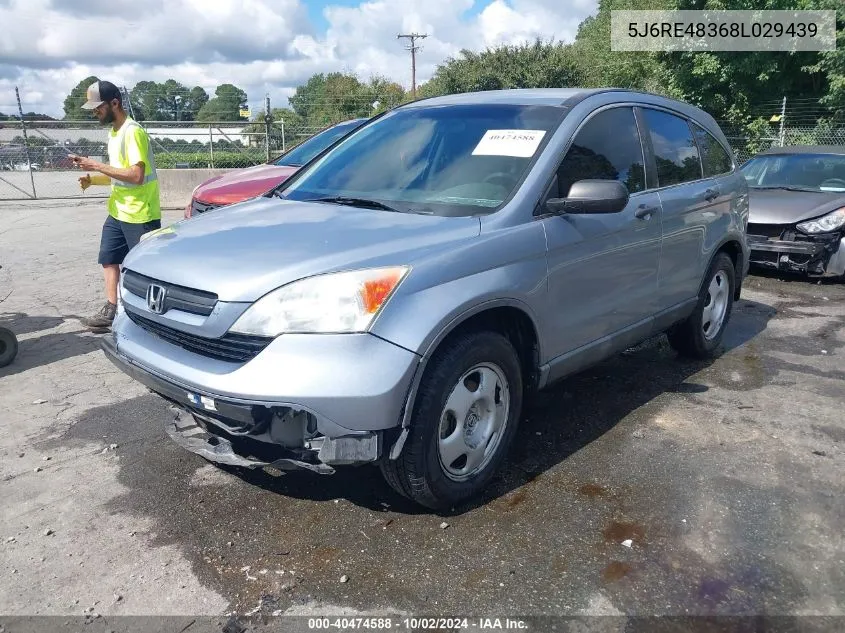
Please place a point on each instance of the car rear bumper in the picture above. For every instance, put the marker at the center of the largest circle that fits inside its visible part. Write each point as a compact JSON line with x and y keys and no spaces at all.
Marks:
{"x":816,"y":256}
{"x":312,"y":402}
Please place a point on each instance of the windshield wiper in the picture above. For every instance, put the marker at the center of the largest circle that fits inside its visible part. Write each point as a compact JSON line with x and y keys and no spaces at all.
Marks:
{"x":363,"y":203}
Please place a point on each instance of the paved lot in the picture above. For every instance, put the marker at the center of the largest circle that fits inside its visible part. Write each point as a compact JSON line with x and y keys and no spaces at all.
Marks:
{"x":728,"y":478}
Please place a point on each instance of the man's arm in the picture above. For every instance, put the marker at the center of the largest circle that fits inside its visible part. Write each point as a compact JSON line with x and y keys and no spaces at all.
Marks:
{"x":133,"y":174}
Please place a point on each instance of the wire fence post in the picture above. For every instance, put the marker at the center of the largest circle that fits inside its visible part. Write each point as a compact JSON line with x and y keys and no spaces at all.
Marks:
{"x":268,"y":121}
{"x":211,"y":144}
{"x":129,"y":103}
{"x":782,"y":117}
{"x":26,"y":143}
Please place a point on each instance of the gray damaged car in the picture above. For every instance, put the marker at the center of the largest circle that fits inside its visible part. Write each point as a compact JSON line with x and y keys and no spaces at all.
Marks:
{"x":396,"y":301}
{"x":796,"y":218}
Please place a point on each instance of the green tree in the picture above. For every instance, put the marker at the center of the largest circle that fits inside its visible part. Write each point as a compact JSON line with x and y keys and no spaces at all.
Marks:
{"x":831,"y":64}
{"x":535,"y":65}
{"x":77,"y":97}
{"x":225,"y":106}
{"x":327,"y":99}
{"x":196,"y":98}
{"x":599,"y":66}
{"x":168,"y":101}
{"x":144,"y":97}
{"x":728,"y":84}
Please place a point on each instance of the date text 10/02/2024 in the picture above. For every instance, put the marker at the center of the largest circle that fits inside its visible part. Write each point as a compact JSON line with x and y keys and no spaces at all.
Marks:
{"x":416,"y":624}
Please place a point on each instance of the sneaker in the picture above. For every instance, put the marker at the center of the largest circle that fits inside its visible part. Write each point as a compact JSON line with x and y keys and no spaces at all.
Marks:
{"x":102,"y":320}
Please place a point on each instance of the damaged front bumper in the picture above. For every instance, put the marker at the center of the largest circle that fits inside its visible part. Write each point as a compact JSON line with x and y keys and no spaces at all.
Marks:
{"x":792,"y":251}
{"x":253,"y":434}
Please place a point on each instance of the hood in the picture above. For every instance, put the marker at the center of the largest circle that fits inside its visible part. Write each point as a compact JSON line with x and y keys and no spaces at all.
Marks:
{"x":242,"y":184}
{"x":244,"y":251}
{"x":777,"y":206}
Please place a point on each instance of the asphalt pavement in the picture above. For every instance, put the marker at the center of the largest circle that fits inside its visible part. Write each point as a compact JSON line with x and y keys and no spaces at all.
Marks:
{"x":647,"y":485}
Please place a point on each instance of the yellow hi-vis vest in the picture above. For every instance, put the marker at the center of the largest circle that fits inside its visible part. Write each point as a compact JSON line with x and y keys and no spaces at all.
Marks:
{"x":136,"y":204}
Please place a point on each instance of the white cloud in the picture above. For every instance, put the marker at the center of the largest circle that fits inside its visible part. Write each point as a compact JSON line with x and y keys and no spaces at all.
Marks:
{"x":263,"y":46}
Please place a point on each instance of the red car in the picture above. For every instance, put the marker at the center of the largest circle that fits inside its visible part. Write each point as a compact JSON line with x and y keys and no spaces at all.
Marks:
{"x":243,"y":184}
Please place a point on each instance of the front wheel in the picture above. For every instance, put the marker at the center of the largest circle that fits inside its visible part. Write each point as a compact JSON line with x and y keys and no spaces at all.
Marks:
{"x":465,"y":417}
{"x":700,"y":334}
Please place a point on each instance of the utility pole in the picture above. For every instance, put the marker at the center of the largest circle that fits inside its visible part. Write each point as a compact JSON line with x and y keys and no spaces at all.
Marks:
{"x":413,"y":48}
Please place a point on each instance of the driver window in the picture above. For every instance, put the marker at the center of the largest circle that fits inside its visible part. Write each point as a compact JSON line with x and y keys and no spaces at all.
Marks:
{"x":607,"y":147}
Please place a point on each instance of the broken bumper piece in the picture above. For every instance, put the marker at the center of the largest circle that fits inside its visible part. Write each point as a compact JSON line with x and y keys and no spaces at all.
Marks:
{"x":215,"y":448}
{"x":817,"y":256}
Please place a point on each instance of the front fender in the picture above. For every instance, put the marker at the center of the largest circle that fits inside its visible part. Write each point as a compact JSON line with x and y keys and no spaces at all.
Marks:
{"x":445,"y":293}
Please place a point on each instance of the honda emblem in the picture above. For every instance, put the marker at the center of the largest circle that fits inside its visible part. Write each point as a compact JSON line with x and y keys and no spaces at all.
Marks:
{"x":155,"y":298}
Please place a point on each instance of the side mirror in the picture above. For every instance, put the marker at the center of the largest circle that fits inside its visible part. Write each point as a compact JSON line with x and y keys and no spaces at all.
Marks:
{"x":591,"y":196}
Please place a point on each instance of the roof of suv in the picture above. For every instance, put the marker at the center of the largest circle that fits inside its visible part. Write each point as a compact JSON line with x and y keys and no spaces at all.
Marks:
{"x":519,"y":96}
{"x":561,"y":97}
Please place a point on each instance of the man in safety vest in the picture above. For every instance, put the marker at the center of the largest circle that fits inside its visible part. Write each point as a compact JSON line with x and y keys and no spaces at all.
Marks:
{"x":134,"y":205}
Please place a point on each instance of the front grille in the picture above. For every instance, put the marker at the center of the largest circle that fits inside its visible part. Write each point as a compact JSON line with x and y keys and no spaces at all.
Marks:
{"x":198,"y":206}
{"x":175,"y":297}
{"x":236,"y":348}
{"x":767,"y":230}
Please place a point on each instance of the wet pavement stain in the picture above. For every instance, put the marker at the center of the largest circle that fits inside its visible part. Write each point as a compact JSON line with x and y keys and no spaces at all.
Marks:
{"x":592,"y":490}
{"x":714,"y":590}
{"x":619,"y":531}
{"x":615,"y":571}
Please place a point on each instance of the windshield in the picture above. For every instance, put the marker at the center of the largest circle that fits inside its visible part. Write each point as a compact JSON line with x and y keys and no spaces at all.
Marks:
{"x":312,"y":146}
{"x":443,"y":160}
{"x":810,"y":172}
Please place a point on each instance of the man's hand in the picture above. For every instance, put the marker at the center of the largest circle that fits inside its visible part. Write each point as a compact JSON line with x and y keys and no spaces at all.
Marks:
{"x":83,"y":162}
{"x":85,"y":181}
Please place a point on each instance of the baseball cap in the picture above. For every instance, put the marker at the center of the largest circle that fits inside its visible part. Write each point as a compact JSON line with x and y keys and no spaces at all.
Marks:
{"x":100,"y":92}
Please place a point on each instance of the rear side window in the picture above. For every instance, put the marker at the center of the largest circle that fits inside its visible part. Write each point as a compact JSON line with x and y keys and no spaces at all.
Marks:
{"x":674,"y":148}
{"x":607,"y":147}
{"x":713,"y":156}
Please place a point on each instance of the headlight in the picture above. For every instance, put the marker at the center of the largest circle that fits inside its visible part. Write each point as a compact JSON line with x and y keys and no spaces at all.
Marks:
{"x":334,"y":303}
{"x":824,"y":224}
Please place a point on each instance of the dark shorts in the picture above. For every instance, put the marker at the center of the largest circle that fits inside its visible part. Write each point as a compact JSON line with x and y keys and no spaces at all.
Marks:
{"x":119,"y":237}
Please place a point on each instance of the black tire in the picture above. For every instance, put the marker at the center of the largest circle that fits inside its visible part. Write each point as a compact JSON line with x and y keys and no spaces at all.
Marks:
{"x":8,"y":346}
{"x":689,"y":337}
{"x":418,"y":472}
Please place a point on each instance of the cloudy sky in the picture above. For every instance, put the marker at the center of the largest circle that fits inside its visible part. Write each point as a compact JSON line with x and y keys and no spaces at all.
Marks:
{"x":263,"y":46}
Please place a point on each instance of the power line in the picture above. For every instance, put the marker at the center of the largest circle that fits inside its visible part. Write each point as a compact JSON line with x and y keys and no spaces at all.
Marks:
{"x":413,"y":48}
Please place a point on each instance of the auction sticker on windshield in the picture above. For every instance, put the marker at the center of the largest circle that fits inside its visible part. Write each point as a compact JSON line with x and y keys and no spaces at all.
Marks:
{"x":519,"y":143}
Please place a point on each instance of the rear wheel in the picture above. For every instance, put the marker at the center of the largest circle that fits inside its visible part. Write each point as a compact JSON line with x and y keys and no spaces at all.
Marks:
{"x":465,"y":417}
{"x":8,"y":346}
{"x":701,"y":333}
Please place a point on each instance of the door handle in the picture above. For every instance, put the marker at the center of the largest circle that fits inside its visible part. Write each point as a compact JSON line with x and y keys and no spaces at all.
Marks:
{"x":710,"y":194}
{"x":644,"y":212}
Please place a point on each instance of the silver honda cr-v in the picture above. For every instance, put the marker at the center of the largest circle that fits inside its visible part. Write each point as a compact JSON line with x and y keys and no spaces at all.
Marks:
{"x":396,"y":300}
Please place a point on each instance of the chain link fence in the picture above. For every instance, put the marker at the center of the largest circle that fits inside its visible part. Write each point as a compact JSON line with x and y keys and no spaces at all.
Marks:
{"x":35,"y":162}
{"x":746,"y":146}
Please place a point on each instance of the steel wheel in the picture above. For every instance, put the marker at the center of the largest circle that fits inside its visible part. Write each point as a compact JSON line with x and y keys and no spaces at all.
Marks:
{"x":473,"y":421}
{"x":715,"y":306}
